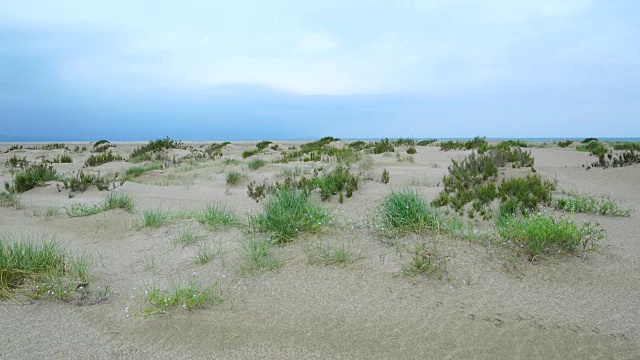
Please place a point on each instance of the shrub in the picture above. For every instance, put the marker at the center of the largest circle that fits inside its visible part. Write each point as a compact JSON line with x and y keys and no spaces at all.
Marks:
{"x":588,"y":140}
{"x":56,"y":146}
{"x":64,"y":158}
{"x":30,"y":177}
{"x":338,"y":180}
{"x":357,"y":145}
{"x":411,"y":150}
{"x":426,"y":142}
{"x":634,"y":146}
{"x":139,"y":170}
{"x":527,"y":192}
{"x":543,"y":234}
{"x":426,"y":261}
{"x":102,"y":158}
{"x":234,"y":178}
{"x":82,"y":180}
{"x":9,"y":199}
{"x":385,"y":176}
{"x":142,"y":153}
{"x":406,"y":211}
{"x":16,"y":162}
{"x":249,"y":153}
{"x":289,"y":212}
{"x":102,"y":146}
{"x":263,"y":144}
{"x":382,"y":146}
{"x":565,"y":143}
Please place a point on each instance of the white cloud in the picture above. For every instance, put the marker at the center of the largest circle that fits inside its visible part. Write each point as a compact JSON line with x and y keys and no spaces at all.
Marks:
{"x":315,"y":43}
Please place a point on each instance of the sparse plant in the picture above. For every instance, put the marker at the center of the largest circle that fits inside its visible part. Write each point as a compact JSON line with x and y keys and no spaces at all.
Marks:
{"x":263,"y":144}
{"x":249,"y":153}
{"x":82,"y":180}
{"x":186,"y":237}
{"x":565,"y":143}
{"x":585,"y":203}
{"x":64,"y":159}
{"x":206,"y":252}
{"x":256,"y":256}
{"x":426,"y":142}
{"x":217,"y":216}
{"x":322,"y":254}
{"x":190,"y":296}
{"x":426,"y":260}
{"x":139,"y":170}
{"x":144,"y":152}
{"x":154,"y":218}
{"x":16,"y":162}
{"x":255,"y":164}
{"x":234,"y":178}
{"x":385,"y":176}
{"x":9,"y":199}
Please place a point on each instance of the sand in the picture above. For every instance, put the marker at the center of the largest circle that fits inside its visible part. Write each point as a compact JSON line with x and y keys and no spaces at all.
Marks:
{"x":568,"y":308}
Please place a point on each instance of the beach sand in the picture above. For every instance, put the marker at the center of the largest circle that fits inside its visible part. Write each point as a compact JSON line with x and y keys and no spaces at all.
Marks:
{"x":491,"y":307}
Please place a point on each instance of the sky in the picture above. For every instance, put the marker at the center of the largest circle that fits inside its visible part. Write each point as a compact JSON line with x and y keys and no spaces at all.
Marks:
{"x":278,"y":69}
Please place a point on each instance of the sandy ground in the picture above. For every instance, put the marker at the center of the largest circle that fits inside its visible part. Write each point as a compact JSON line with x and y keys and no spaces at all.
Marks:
{"x":559,"y":308}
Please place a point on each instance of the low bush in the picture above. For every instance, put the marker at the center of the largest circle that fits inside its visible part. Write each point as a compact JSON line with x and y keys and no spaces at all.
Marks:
{"x":217,"y":216}
{"x":30,"y":177}
{"x":102,"y":158}
{"x":256,"y":164}
{"x":234,"y":178}
{"x":411,"y":150}
{"x":82,"y":180}
{"x":426,"y":142}
{"x":143,"y":153}
{"x":565,"y":143}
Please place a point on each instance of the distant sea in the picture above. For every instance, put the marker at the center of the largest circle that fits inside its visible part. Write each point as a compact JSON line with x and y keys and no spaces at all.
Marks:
{"x":549,"y":139}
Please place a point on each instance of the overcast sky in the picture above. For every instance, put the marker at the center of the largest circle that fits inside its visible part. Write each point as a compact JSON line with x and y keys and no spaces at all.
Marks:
{"x":238,"y":70}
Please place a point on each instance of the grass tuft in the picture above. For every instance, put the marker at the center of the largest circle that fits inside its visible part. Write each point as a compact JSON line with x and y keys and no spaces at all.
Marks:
{"x":585,"y":203}
{"x":255,"y":164}
{"x":542,"y":235}
{"x":257,"y":257}
{"x":406,"y":211}
{"x":217,"y":216}
{"x":154,"y":218}
{"x":111,"y":201}
{"x":322,"y":254}
{"x":189,"y":296}
{"x":289,"y":212}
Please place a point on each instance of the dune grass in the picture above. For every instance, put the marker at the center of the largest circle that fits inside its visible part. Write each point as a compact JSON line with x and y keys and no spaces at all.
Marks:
{"x":289,"y":212}
{"x":255,"y":164}
{"x":234,"y":178}
{"x":207,"y":252}
{"x":404,"y":211}
{"x":323,"y":254}
{"x":426,"y":260}
{"x":256,"y":256}
{"x":188,"y":296}
{"x":139,"y":170}
{"x":41,"y":265}
{"x":32,"y":176}
{"x":111,"y":201}
{"x":186,"y":237}
{"x":544,"y":235}
{"x":154,"y":218}
{"x":585,"y":203}
{"x":217,"y":217}
{"x":9,"y":199}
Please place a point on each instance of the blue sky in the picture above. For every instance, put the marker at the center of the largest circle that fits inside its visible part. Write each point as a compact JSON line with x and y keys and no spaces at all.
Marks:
{"x":242,"y":70}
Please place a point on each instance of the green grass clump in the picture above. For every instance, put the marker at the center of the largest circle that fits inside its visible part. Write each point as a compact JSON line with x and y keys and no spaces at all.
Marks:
{"x":357,"y":145}
{"x":111,"y":201}
{"x":255,"y":164}
{"x":186,"y":237}
{"x":585,"y":203}
{"x":289,"y":212}
{"x":426,"y":142}
{"x":411,"y":150}
{"x":635,"y":146}
{"x":102,"y":158}
{"x":382,"y":146}
{"x":42,"y":266}
{"x":154,"y":218}
{"x":234,"y":178}
{"x":189,"y":296}
{"x":62,"y":159}
{"x":565,"y":143}
{"x":102,"y":146}
{"x":594,"y":147}
{"x":249,"y":153}
{"x":588,"y":140}
{"x":479,"y":143}
{"x":217,"y":216}
{"x":16,"y":162}
{"x":205,"y":253}
{"x":406,"y":211}
{"x":263,"y":144}
{"x":30,"y":177}
{"x":385,"y":176}
{"x":139,"y":170}
{"x":55,"y":146}
{"x":542,"y":235}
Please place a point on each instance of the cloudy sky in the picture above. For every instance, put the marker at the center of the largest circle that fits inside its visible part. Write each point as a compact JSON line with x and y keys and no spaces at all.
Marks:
{"x":279,"y":69}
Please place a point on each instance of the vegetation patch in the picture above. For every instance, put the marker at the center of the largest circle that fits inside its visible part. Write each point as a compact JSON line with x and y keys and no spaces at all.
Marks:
{"x":545,"y":235}
{"x":323,"y":254}
{"x":111,"y":201}
{"x":82,"y":180}
{"x":565,"y":143}
{"x":154,"y":218}
{"x":288,"y":213}
{"x":144,"y":153}
{"x":217,"y":217}
{"x":257,"y":256}
{"x":102,"y":146}
{"x":188,"y":297}
{"x":102,"y":158}
{"x":139,"y":170}
{"x":255,"y":164}
{"x":16,"y":162}
{"x":234,"y":178}
{"x":41,"y":267}
{"x":30,"y":177}
{"x":404,"y":211}
{"x":9,"y":199}
{"x":427,"y":261}
{"x":426,"y":142}
{"x":585,"y":203}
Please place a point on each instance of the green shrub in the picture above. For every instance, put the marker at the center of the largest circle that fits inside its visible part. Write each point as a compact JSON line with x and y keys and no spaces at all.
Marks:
{"x":234,"y":178}
{"x":64,"y":158}
{"x":102,"y":146}
{"x":56,"y":146}
{"x":357,"y":145}
{"x":338,"y":180}
{"x":30,"y":177}
{"x":406,"y":211}
{"x":263,"y":144}
{"x":527,"y":192}
{"x":102,"y":158}
{"x":385,"y":176}
{"x":411,"y":150}
{"x":543,"y":234}
{"x":142,"y":153}
{"x":634,"y":146}
{"x":154,"y":218}
{"x":426,"y":142}
{"x":588,"y":140}
{"x":289,"y":212}
{"x":16,"y":162}
{"x":382,"y":146}
{"x":565,"y":143}
{"x":82,"y":180}
{"x":249,"y":153}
